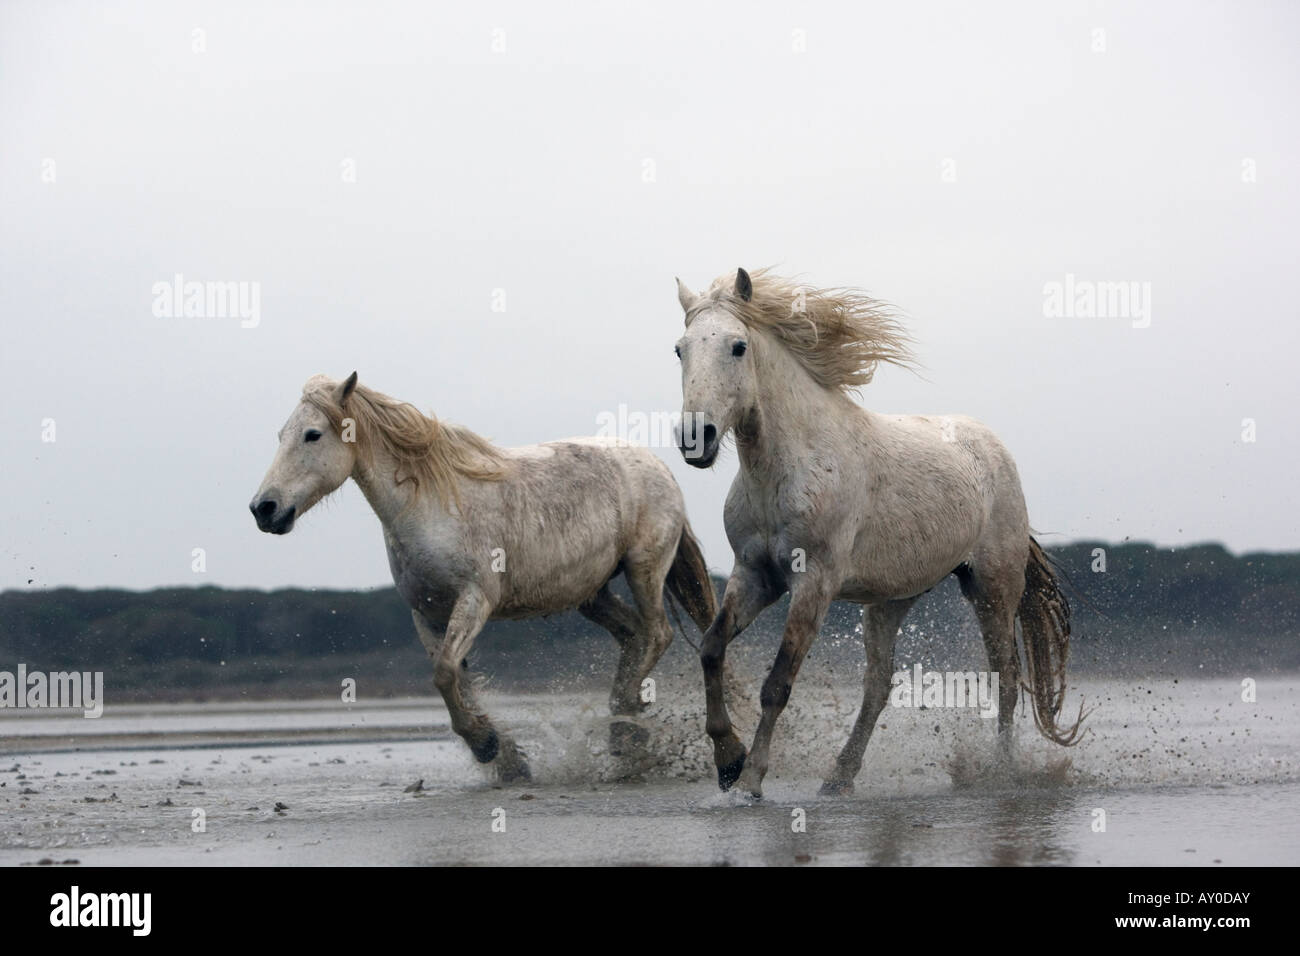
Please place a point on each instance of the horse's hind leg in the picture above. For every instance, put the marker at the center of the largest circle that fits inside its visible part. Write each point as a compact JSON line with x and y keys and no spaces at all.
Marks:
{"x":613,"y":614}
{"x":641,"y":651}
{"x":880,"y":623}
{"x":448,"y":653}
{"x":645,"y":578}
{"x":995,"y":594}
{"x":629,"y":630}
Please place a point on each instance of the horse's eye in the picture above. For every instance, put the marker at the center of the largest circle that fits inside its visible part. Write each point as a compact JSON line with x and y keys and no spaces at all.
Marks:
{"x":312,"y":435}
{"x":738,"y":349}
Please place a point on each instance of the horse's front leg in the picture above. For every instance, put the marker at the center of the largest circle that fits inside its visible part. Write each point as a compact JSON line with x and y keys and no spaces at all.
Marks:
{"x":809,"y":601}
{"x":448,"y":653}
{"x":748,"y":592}
{"x":880,"y":623}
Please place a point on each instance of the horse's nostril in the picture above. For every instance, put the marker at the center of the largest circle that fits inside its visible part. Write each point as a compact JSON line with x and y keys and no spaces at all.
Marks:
{"x":710,"y":433}
{"x":264,"y":509}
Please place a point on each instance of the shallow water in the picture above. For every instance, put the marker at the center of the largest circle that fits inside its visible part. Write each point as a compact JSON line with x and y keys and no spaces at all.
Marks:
{"x":1185,"y":773}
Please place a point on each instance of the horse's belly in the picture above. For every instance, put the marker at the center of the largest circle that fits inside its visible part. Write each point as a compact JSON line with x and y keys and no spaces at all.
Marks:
{"x":555,"y":579}
{"x":862,"y":592}
{"x":886,"y":570}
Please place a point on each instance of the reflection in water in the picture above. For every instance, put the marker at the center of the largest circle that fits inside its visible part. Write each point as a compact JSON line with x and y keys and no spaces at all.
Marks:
{"x":996,"y":828}
{"x":1025,"y":828}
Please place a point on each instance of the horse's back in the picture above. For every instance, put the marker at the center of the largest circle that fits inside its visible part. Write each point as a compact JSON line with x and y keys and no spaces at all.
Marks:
{"x":956,"y":447}
{"x":950,"y":483}
{"x":571,"y":510}
{"x":643,"y":473}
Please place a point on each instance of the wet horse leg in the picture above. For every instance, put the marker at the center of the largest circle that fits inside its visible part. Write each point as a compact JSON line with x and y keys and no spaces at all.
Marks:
{"x":880,"y":624}
{"x":748,"y":592}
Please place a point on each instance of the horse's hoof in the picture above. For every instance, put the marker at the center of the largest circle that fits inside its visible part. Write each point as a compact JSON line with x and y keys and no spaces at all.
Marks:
{"x":751,"y":781}
{"x":627,"y":737}
{"x":516,"y":772}
{"x":486,"y":751}
{"x":837,"y":788}
{"x":728,"y":775}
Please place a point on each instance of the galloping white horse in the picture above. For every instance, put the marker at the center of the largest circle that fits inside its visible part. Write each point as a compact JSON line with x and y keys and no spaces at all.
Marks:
{"x":475,"y":532}
{"x":834,"y":502}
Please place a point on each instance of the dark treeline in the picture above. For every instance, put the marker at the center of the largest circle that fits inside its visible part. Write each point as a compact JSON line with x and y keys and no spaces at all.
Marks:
{"x":1151,"y":611}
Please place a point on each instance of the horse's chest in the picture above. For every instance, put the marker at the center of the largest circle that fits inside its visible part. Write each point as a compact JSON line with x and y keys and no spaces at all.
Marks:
{"x":764,"y":538}
{"x":418,"y":581}
{"x":775,"y":514}
{"x":786,"y":526}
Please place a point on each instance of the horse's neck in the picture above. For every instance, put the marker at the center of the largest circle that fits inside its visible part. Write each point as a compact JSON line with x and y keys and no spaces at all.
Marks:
{"x":390,"y":502}
{"x":790,"y":412}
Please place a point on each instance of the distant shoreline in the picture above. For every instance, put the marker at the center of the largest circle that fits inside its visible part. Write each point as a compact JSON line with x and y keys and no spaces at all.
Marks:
{"x":1138,"y":611}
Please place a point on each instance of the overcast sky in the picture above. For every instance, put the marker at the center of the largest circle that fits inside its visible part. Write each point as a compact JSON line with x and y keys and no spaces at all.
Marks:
{"x":379,"y":170}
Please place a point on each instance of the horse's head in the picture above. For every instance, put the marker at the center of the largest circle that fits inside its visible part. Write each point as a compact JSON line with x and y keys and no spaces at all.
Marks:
{"x":313,"y":459}
{"x":718,"y":380}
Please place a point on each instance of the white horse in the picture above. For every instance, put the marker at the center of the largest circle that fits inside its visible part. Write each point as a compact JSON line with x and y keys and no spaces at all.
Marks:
{"x":834,"y":502}
{"x":475,"y":532}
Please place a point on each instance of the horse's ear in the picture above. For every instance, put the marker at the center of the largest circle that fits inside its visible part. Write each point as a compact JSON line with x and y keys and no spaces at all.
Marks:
{"x":686,"y":297}
{"x":346,"y":388}
{"x":744,"y":285}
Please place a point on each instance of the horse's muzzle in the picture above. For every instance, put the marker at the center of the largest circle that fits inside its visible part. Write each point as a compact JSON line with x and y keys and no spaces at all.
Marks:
{"x":270,"y":518}
{"x":698,"y":443}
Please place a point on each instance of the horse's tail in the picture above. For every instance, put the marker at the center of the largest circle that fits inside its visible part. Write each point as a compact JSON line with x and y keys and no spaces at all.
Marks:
{"x":689,"y":582}
{"x":1045,"y":633}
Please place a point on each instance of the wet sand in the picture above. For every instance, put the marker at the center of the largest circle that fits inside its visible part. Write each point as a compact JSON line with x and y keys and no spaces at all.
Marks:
{"x":1185,"y":773}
